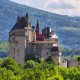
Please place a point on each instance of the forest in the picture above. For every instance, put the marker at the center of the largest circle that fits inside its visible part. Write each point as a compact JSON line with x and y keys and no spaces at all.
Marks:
{"x":32,"y":70}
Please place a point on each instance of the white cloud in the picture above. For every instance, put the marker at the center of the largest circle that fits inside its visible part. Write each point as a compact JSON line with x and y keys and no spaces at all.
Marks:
{"x":65,"y":7}
{"x":32,"y":3}
{"x":75,"y":3}
{"x":61,"y":5}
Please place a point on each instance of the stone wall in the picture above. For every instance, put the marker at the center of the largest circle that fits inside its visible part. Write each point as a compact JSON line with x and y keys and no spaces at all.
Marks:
{"x":17,"y":48}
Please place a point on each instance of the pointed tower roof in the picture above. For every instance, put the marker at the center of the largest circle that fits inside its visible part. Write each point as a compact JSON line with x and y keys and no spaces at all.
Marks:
{"x":27,"y":15}
{"x":18,"y":17}
{"x":22,"y":21}
{"x":27,"y":20}
{"x":37,"y":26}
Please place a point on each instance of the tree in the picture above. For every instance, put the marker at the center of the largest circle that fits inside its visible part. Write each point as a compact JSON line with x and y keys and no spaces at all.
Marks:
{"x":78,"y":59}
{"x":56,"y":77}
{"x":10,"y":64}
{"x":31,"y":64}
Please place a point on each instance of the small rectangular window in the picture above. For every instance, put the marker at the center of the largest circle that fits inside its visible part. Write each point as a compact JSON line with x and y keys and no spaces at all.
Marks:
{"x":14,"y":51}
{"x":18,"y":52}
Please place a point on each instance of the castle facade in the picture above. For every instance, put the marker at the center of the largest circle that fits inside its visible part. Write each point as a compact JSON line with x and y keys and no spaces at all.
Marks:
{"x":26,"y":42}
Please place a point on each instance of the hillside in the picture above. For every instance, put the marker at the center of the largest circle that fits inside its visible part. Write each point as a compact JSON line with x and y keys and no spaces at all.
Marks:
{"x":67,"y":28}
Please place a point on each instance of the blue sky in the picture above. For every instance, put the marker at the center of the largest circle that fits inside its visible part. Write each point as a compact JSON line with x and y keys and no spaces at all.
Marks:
{"x":64,"y":7}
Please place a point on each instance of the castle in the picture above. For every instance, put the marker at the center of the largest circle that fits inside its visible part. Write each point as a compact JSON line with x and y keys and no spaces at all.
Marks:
{"x":26,"y":42}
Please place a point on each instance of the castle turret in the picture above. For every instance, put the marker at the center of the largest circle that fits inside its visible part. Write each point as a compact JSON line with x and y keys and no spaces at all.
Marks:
{"x":18,"y":18}
{"x":18,"y":24}
{"x":37,"y":28}
{"x":21,"y":34}
{"x":27,"y":20}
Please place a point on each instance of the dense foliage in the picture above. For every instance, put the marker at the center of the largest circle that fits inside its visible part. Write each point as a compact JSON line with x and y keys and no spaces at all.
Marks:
{"x":10,"y":70}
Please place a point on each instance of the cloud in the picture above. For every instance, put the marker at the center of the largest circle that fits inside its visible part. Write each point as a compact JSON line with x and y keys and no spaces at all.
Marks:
{"x":61,"y":5}
{"x":64,"y":7}
{"x":32,"y":3}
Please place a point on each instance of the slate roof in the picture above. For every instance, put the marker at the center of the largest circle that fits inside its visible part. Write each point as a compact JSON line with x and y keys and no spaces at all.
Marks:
{"x":21,"y":22}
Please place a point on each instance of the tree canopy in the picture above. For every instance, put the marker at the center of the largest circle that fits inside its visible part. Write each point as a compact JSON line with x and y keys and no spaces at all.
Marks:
{"x":32,"y":70}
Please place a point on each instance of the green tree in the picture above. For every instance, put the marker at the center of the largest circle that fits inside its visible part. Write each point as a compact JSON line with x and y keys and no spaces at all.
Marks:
{"x":11,"y":64}
{"x":78,"y":59}
{"x":56,"y":77}
{"x":31,"y":64}
{"x":64,"y":72}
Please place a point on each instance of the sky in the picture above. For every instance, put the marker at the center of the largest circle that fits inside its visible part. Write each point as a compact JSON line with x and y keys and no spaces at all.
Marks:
{"x":63,"y":7}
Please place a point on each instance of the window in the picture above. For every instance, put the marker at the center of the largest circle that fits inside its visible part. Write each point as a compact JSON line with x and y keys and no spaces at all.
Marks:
{"x":56,"y":40}
{"x":54,"y":49}
{"x":14,"y":51}
{"x":18,"y":52}
{"x":47,"y":52}
{"x":13,"y":38}
{"x":16,"y":43}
